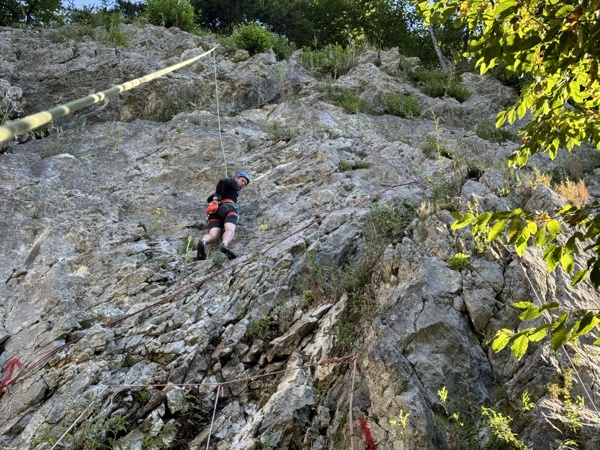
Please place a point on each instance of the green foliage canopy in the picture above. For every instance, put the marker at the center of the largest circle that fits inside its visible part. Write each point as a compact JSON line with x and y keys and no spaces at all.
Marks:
{"x":30,"y":12}
{"x":253,"y":37}
{"x":555,"y":44}
{"x":171,"y":13}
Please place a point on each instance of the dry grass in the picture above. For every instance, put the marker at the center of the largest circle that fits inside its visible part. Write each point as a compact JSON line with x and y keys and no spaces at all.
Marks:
{"x":576,"y":193}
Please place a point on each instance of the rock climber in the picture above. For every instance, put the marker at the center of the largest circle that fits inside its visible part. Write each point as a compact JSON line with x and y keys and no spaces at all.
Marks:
{"x":225,"y":218}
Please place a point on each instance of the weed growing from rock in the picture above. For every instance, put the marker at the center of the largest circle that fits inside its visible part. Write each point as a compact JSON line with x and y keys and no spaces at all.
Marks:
{"x":332,"y":60}
{"x":169,"y":108}
{"x":459,"y":262}
{"x":345,"y":166}
{"x":436,"y":83}
{"x":347,"y":99}
{"x":258,"y":328}
{"x":281,"y":133}
{"x":57,"y":149}
{"x":402,"y":105}
{"x":501,"y":430}
{"x":487,"y":130}
{"x":186,"y":250}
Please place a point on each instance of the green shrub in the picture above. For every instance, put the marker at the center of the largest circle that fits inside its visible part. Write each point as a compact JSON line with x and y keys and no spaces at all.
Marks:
{"x":436,"y":83}
{"x":487,"y":130}
{"x":253,"y":37}
{"x":57,"y":149}
{"x":402,"y":105}
{"x":283,"y":48}
{"x":422,"y":75}
{"x":282,"y":132}
{"x":458,"y":90}
{"x":85,"y":16}
{"x":433,"y":149}
{"x":434,"y":88}
{"x":330,"y":61}
{"x":347,"y":99}
{"x":171,"y":13}
{"x":350,"y":100}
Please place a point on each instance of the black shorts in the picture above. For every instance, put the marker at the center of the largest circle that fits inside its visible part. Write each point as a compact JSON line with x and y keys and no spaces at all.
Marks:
{"x":225,"y":214}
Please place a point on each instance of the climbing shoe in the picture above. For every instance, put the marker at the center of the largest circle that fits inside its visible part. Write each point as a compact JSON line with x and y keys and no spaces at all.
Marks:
{"x":201,"y":253}
{"x":228,"y":252}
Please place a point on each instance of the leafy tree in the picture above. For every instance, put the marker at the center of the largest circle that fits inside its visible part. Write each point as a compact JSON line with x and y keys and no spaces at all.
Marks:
{"x":288,"y":18}
{"x":556,"y":44}
{"x":171,"y":13}
{"x":224,"y":15}
{"x":254,"y":38}
{"x":129,"y":9}
{"x":394,"y":23}
{"x":30,"y":12}
{"x":334,"y":22}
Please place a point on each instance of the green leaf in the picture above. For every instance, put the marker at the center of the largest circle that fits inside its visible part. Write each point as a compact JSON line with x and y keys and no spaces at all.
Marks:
{"x":586,"y":324}
{"x":504,"y":6}
{"x":561,"y":320}
{"x":539,"y":237}
{"x":483,"y":219}
{"x":514,"y":230}
{"x":595,"y":276}
{"x":571,"y":244}
{"x":519,"y":346}
{"x":521,"y":246}
{"x":559,"y":337}
{"x":501,"y":340}
{"x":523,"y":305}
{"x":567,"y":262}
{"x":502,"y":215}
{"x":530,"y":314}
{"x":579,"y":277}
{"x":539,"y":333}
{"x":500,"y":119}
{"x":549,"y":305}
{"x":496,"y":230}
{"x":529,"y":42}
{"x":463,"y":221}
{"x":449,"y":12}
{"x":521,"y":110}
{"x":564,"y":11}
{"x":552,"y":256}
{"x":553,"y":227}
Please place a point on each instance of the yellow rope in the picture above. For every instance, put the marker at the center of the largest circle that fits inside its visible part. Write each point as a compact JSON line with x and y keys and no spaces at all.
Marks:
{"x":219,"y":115}
{"x":10,"y":129}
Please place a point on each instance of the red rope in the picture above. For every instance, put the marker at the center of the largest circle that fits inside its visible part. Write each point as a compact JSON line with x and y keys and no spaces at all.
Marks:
{"x":8,"y":370}
{"x":364,"y":426}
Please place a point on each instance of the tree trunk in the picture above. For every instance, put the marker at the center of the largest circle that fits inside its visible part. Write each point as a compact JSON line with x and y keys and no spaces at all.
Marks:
{"x":443,"y":62}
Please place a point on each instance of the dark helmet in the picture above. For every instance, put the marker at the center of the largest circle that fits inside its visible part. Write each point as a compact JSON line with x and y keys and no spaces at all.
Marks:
{"x":244,"y":175}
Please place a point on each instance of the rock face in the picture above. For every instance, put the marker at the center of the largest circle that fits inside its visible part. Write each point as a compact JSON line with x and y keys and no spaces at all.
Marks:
{"x":129,"y":340}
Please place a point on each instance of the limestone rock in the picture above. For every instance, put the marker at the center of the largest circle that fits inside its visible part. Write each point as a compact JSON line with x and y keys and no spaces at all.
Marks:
{"x":102,"y":298}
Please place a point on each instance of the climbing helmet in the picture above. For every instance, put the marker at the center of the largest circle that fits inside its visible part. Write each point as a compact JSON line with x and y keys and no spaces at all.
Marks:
{"x":243,"y":175}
